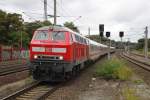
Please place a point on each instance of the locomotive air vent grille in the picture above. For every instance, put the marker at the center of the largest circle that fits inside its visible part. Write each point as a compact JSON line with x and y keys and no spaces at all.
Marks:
{"x":45,"y":57}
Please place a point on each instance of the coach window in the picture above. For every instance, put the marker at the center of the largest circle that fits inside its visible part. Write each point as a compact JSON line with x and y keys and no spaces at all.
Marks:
{"x":58,"y":36}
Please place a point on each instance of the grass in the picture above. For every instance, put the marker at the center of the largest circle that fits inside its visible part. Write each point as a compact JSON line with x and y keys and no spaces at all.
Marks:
{"x":129,"y":94}
{"x":138,"y":81}
{"x":114,"y":69}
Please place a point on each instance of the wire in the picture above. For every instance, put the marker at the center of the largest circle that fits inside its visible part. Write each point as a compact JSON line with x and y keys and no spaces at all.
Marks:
{"x":62,"y":8}
{"x":29,"y":16}
{"x":77,"y":19}
{"x":33,"y":13}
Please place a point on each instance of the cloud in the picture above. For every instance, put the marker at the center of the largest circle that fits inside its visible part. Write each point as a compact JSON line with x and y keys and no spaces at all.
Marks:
{"x":117,"y":15}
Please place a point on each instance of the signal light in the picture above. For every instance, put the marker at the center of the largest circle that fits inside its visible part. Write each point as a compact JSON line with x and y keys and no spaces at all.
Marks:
{"x":107,"y":34}
{"x":121,"y":34}
{"x":101,"y":27}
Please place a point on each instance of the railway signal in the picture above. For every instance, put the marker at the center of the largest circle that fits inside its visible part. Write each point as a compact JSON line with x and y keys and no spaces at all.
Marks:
{"x":101,"y":31}
{"x":101,"y":27}
{"x":108,"y":35}
{"x":121,"y":34}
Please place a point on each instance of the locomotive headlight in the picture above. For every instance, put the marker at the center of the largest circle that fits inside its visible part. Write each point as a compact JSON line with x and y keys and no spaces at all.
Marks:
{"x":35,"y":56}
{"x":61,"y":57}
{"x":59,"y":50}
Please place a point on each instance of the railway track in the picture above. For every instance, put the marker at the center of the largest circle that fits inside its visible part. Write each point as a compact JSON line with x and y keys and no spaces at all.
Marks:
{"x":13,"y":69}
{"x":137,"y":62}
{"x":36,"y":91}
{"x":141,"y":55}
{"x":7,"y":63}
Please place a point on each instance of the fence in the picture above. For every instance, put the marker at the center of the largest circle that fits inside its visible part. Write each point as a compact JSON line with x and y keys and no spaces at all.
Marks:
{"x":9,"y":53}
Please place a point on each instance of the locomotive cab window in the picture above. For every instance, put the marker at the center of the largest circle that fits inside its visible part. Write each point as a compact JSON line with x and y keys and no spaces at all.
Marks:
{"x":71,"y":37}
{"x":58,"y":36}
{"x":41,"y":35}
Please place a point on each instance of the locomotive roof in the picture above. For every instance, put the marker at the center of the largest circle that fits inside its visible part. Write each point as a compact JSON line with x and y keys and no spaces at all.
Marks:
{"x":55,"y":28}
{"x":59,"y":28}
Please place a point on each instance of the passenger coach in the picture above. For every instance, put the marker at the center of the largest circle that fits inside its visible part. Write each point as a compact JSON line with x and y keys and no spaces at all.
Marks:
{"x":57,"y":52}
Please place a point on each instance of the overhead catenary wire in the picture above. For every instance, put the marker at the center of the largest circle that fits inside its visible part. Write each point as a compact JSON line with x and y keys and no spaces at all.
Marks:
{"x":60,"y":5}
{"x":29,"y":16}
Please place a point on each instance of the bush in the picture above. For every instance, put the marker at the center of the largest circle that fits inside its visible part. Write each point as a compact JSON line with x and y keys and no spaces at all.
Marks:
{"x":113,"y":69}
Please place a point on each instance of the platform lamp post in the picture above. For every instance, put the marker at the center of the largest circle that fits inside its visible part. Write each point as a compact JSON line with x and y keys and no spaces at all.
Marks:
{"x":108,"y":35}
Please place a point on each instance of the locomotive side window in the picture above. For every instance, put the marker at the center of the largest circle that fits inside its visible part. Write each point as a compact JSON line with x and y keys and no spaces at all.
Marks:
{"x":77,"y":38}
{"x":41,"y":35}
{"x":71,"y":37}
{"x":84,"y":41}
{"x":58,"y":36}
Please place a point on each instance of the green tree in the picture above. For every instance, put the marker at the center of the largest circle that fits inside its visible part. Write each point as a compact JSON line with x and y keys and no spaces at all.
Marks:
{"x":9,"y":22}
{"x":11,"y":27}
{"x":71,"y":26}
{"x":140,"y":44}
{"x":16,"y":39}
{"x":30,"y":27}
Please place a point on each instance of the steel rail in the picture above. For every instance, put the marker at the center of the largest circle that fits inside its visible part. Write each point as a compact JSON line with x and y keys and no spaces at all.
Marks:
{"x":141,"y":55}
{"x":35,"y":91}
{"x":13,"y":70}
{"x":137,"y":62}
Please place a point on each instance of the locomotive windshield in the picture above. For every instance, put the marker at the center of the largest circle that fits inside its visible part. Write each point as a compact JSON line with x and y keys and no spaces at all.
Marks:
{"x":45,"y":35}
{"x":41,"y":35}
{"x":58,"y":36}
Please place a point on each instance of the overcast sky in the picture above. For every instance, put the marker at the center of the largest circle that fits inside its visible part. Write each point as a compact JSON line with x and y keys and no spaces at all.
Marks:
{"x":130,"y":16}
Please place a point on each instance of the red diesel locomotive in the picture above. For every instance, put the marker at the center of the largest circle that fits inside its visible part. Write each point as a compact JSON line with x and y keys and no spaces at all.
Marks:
{"x":57,"y":52}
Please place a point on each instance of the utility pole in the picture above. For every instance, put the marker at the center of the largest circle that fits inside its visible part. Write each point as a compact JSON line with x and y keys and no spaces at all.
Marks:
{"x":128,"y":46}
{"x":45,"y":10}
{"x":55,"y":14}
{"x":89,"y":32}
{"x":146,"y":43}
